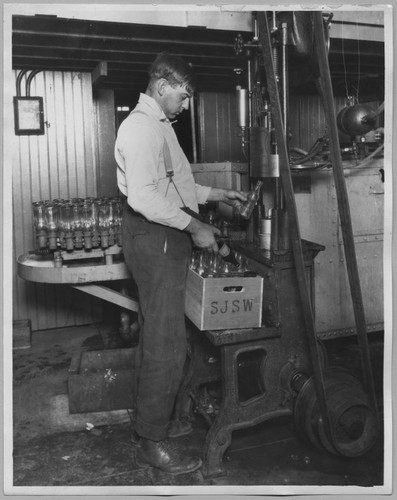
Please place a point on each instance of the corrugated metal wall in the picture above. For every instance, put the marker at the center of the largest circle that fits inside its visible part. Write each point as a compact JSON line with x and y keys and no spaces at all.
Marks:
{"x":58,"y":164}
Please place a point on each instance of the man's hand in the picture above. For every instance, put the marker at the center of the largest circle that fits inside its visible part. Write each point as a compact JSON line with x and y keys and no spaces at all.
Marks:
{"x":229,"y":196}
{"x":203,"y":235}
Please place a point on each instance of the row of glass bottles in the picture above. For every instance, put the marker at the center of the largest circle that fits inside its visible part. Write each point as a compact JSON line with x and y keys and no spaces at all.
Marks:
{"x":86,"y":223}
{"x":79,"y":223}
{"x":210,"y":265}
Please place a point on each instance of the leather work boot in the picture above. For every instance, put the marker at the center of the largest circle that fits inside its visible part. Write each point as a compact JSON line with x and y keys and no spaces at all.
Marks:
{"x":164,"y":456}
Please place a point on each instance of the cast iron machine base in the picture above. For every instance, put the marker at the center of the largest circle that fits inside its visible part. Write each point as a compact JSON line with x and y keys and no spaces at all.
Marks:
{"x":266,"y":373}
{"x":222,"y":355}
{"x":219,"y":356}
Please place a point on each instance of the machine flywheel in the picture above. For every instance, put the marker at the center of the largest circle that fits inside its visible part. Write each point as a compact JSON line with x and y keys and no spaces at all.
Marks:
{"x":353,"y":425}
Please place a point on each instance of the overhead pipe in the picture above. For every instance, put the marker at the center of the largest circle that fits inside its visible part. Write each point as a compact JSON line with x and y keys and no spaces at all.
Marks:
{"x":29,"y":80}
{"x":19,"y":79}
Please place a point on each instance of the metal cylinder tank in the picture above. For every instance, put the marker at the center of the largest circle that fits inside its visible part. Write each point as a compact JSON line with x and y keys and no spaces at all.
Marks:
{"x":261,"y":166}
{"x":242,"y":107}
{"x":350,"y":120}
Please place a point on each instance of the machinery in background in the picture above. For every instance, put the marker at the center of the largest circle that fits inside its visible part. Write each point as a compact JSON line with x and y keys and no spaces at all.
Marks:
{"x":294,"y":62}
{"x":335,"y":409}
{"x":361,"y":137}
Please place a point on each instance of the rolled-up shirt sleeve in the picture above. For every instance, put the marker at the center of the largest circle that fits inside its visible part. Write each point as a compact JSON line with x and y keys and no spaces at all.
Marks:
{"x":202,"y":193}
{"x":138,"y":152}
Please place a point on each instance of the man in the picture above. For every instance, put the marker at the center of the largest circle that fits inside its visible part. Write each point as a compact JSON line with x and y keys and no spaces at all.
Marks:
{"x":155,"y":176}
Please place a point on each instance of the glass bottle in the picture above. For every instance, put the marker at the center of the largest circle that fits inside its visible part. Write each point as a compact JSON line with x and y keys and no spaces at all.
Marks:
{"x":67,"y":226}
{"x":39,"y":224}
{"x":77,"y":223}
{"x":51,"y":214}
{"x":87,"y":222}
{"x":253,"y":196}
{"x":104,"y":223}
{"x":228,"y":255}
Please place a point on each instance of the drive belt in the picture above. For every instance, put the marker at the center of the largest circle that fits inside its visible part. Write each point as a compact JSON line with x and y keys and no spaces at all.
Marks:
{"x":324,"y":83}
{"x":290,"y":206}
{"x":324,"y":86}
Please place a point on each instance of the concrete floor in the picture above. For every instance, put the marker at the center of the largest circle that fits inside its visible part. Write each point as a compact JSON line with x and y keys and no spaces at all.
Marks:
{"x":53,"y":448}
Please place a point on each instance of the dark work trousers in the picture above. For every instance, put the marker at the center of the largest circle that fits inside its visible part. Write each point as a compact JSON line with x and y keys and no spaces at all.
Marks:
{"x":158,"y":258}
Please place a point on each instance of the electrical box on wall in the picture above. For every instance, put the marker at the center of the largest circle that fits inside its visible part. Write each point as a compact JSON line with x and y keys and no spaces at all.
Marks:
{"x":28,"y":115}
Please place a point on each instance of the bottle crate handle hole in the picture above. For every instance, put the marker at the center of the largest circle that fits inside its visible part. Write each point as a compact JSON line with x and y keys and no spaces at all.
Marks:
{"x":228,"y":289}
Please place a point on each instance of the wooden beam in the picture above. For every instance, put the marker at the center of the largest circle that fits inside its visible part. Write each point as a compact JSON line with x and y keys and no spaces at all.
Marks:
{"x":100,"y":72}
{"x":109,"y":295}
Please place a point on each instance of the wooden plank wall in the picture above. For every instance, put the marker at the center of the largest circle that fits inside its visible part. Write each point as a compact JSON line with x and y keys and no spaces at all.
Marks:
{"x":58,"y":164}
{"x":217,"y":133}
{"x":63,"y":163}
{"x":307,"y":119}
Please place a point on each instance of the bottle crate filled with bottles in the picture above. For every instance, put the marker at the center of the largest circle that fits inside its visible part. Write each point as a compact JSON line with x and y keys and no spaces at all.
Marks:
{"x":222,"y":292}
{"x":224,"y":301}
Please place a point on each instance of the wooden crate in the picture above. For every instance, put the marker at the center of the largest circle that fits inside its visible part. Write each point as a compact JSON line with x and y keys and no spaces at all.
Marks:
{"x":225,"y":174}
{"x":224,"y":303}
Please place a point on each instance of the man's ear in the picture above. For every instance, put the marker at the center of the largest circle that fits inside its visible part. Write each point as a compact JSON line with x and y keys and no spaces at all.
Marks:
{"x":161,"y":85}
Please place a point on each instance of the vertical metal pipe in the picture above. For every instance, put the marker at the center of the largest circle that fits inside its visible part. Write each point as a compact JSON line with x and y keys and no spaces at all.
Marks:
{"x":250,"y":228}
{"x":274,"y":21}
{"x":256,"y":36}
{"x":278,"y":198}
{"x":193,"y":125}
{"x":284,"y":91}
{"x":284,"y":76}
{"x":249,"y":86}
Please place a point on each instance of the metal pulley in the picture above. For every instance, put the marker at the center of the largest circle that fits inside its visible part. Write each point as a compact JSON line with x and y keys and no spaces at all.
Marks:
{"x":353,"y":423}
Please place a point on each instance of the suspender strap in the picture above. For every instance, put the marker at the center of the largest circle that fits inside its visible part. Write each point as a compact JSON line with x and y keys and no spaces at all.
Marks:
{"x":169,"y":170}
{"x":167,"y":160}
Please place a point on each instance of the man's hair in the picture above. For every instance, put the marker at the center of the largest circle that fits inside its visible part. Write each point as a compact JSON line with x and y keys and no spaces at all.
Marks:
{"x":174,"y":69}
